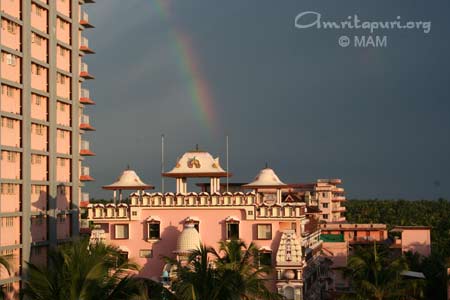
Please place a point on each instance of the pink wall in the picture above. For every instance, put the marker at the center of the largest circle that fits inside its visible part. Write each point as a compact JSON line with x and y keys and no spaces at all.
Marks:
{"x":10,"y":197}
{"x":38,"y":228}
{"x":39,"y":197}
{"x":9,"y":231}
{"x":39,"y":47}
{"x":39,"y":255}
{"x":10,"y":132}
{"x":39,"y":19}
{"x":63,"y":84}
{"x":63,"y":198}
{"x":11,"y":35}
{"x":11,"y":7}
{"x":63,"y":112}
{"x":39,"y":137}
{"x":63,"y":31}
{"x":39,"y":167}
{"x":63,"y":228}
{"x":39,"y":107}
{"x":416,"y":240}
{"x":63,"y":58}
{"x":13,"y":257}
{"x":11,"y":67}
{"x":11,"y":99}
{"x":63,"y":141}
{"x":212,"y":230}
{"x":10,"y":166}
{"x":39,"y":77}
{"x":63,"y":6}
{"x":63,"y":169}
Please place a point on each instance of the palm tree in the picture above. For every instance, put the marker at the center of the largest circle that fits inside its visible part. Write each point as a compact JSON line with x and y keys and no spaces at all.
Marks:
{"x":80,"y":271}
{"x":375,"y":275}
{"x":247,"y":275}
{"x":235,"y":274}
{"x":4,"y":264}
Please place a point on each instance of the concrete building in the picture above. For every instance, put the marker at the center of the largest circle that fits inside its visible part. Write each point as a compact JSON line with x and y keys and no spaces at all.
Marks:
{"x":43,"y":118}
{"x":148,"y":226}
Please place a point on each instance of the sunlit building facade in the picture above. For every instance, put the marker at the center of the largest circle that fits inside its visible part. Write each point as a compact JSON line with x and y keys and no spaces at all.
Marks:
{"x":43,"y":119}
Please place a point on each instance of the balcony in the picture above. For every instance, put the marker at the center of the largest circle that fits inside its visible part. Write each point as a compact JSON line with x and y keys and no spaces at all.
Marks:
{"x":84,"y":46}
{"x":338,"y":198}
{"x":85,"y":197}
{"x":84,"y":97}
{"x":84,"y":149}
{"x":84,"y":20}
{"x":85,"y":123}
{"x":84,"y":72}
{"x":338,"y":209}
{"x":85,"y":174}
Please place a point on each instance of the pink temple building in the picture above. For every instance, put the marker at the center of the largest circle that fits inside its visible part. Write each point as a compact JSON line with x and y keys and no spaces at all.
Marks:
{"x":43,"y":119}
{"x":265,"y":211}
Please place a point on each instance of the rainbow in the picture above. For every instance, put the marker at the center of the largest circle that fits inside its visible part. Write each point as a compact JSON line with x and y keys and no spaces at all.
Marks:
{"x":189,"y":67}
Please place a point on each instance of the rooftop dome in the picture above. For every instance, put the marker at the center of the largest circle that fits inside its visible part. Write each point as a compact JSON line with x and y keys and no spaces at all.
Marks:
{"x":197,"y":163}
{"x":188,"y":240}
{"x":129,"y":180}
{"x":266,"y":178}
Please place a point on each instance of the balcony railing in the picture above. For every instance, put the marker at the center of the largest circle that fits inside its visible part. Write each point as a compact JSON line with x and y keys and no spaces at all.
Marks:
{"x":85,"y":97}
{"x":85,"y":197}
{"x":84,"y":45}
{"x":85,"y":150}
{"x":84,"y":19}
{"x":85,"y":176}
{"x":85,"y":123}
{"x":84,"y":71}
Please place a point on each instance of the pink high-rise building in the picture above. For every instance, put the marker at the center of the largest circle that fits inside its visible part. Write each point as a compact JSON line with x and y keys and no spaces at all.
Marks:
{"x":43,"y":118}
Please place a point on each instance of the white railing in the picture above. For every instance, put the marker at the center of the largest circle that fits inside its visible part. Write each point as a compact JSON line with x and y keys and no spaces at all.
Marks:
{"x":84,"y":196}
{"x":84,"y":16}
{"x":84,"y":67}
{"x":84,"y":42}
{"x":84,"y":93}
{"x":85,"y":171}
{"x":84,"y":145}
{"x":84,"y":119}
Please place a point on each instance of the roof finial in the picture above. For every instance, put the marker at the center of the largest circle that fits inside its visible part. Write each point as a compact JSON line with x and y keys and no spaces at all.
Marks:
{"x":267,"y":165}
{"x":128,"y":166}
{"x":196,"y":147}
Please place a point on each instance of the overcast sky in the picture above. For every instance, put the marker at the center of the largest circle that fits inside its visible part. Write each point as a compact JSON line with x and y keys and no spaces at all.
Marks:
{"x":378,"y":118}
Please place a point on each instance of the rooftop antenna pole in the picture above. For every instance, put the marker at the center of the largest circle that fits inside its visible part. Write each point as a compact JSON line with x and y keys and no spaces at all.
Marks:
{"x":162,"y":163}
{"x":228,"y":171}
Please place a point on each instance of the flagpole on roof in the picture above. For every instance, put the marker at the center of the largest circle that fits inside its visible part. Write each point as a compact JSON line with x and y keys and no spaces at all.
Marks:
{"x":162,"y":163}
{"x":228,"y":171}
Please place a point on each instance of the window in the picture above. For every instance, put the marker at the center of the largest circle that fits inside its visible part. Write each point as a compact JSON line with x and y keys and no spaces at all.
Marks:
{"x":7,"y":189}
{"x":36,"y":39}
{"x":11,"y":27}
{"x":60,"y":78}
{"x":9,"y":123}
{"x":264,"y":231}
{"x":11,"y":156}
{"x":61,"y":24}
{"x":36,"y":159}
{"x":61,"y":218}
{"x":121,"y":231}
{"x":324,"y":195}
{"x":232,"y":230}
{"x":62,"y":106}
{"x":11,"y":59}
{"x":265,"y":258}
{"x":62,"y":162}
{"x":325,"y":205}
{"x":325,"y":216}
{"x":154,"y":230}
{"x":62,"y":134}
{"x":39,"y":129}
{"x":36,"y":251}
{"x":8,"y":222}
{"x":62,"y":52}
{"x":145,"y":253}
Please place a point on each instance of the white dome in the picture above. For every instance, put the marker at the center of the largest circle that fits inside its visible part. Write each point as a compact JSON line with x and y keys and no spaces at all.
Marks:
{"x":197,"y":164}
{"x":128,"y":180}
{"x":188,"y":240}
{"x":266,"y":178}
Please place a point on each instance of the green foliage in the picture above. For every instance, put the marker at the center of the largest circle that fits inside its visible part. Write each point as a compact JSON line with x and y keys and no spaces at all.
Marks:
{"x":376,"y":275}
{"x":79,"y":271}
{"x":4,"y":264}
{"x":233,"y":273}
{"x":414,"y":213}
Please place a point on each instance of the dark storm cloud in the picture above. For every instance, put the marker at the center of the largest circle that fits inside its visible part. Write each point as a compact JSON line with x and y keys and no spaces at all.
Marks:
{"x":377,"y":118}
